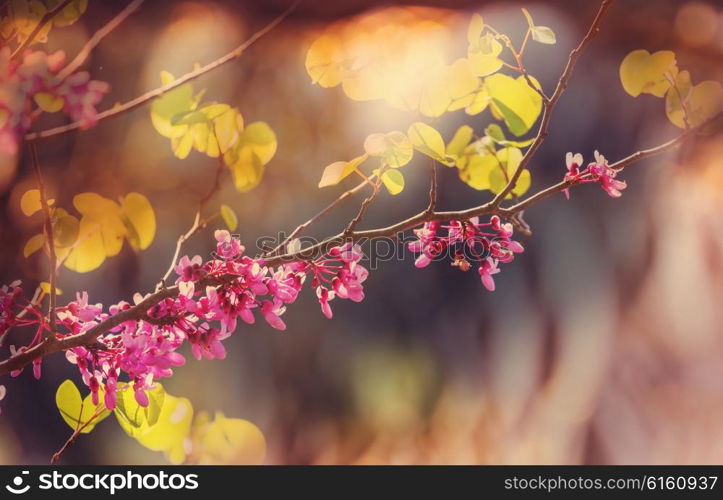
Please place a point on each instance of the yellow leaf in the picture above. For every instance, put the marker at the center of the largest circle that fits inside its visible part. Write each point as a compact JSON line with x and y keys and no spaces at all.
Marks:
{"x":530,"y":22}
{"x":230,"y":441}
{"x":139,"y":220}
{"x":45,"y":288}
{"x":89,"y":252}
{"x":76,"y":411}
{"x":30,"y":202}
{"x":480,"y":101}
{"x":246,"y":169}
{"x":516,"y":101}
{"x":474,"y":31}
{"x":69,"y":14}
{"x":394,"y":148}
{"x":702,"y":102}
{"x":33,"y":245}
{"x":394,"y":181}
{"x":338,"y":170}
{"x":509,"y":159}
{"x":171,"y":104}
{"x":427,"y":140}
{"x":324,"y":61}
{"x":260,"y":139}
{"x":477,"y":169}
{"x":106,"y":215}
{"x":462,"y":84}
{"x":459,"y":142}
{"x":48,"y":102}
{"x":643,"y":73}
{"x":169,"y":432}
{"x":65,"y":230}
{"x":483,"y":55}
{"x":229,"y":217}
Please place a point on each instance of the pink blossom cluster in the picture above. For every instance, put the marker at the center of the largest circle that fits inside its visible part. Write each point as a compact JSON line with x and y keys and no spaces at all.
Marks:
{"x":488,"y":243}
{"x":34,"y":79}
{"x":212,"y":296}
{"x":598,"y":171}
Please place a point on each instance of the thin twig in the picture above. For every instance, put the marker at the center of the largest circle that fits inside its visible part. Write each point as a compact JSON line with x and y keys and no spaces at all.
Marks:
{"x":432,"y":206}
{"x":549,"y":105}
{"x":47,"y":17}
{"x":49,"y":239}
{"x":198,"y":224}
{"x":149,"y":96}
{"x":97,"y":37}
{"x":76,"y":433}
{"x":349,"y":230}
{"x":318,"y":216}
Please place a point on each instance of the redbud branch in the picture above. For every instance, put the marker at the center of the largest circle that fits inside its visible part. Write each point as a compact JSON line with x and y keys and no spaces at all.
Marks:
{"x":149,"y":96}
{"x":96,"y":39}
{"x":549,"y":105}
{"x":47,"y":17}
{"x":139,"y":311}
{"x":50,"y":241}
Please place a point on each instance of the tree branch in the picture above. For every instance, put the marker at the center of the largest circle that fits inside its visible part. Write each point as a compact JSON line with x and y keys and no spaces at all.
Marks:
{"x":49,"y":239}
{"x":96,"y":39}
{"x":148,"y":96}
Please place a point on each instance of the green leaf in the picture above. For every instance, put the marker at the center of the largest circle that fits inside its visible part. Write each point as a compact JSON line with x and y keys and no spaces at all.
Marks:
{"x":338,"y":170}
{"x":645,"y":73}
{"x":495,"y":132}
{"x":229,"y":217}
{"x":78,"y":412}
{"x":394,"y":181}
{"x":428,"y":141}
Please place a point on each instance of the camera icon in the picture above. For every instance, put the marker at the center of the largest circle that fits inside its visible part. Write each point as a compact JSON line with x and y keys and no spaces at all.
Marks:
{"x":17,"y":487}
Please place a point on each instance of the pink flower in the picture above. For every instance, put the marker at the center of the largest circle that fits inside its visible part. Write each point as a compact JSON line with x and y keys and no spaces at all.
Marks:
{"x":272,"y":313}
{"x":486,"y":270}
{"x":189,"y":269}
{"x":602,"y":173}
{"x":3,"y":391}
{"x":227,"y":247}
{"x":324,"y":295}
{"x":598,"y":171}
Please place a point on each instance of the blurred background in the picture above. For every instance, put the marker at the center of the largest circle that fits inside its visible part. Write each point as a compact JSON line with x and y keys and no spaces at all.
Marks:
{"x":603,"y":343}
